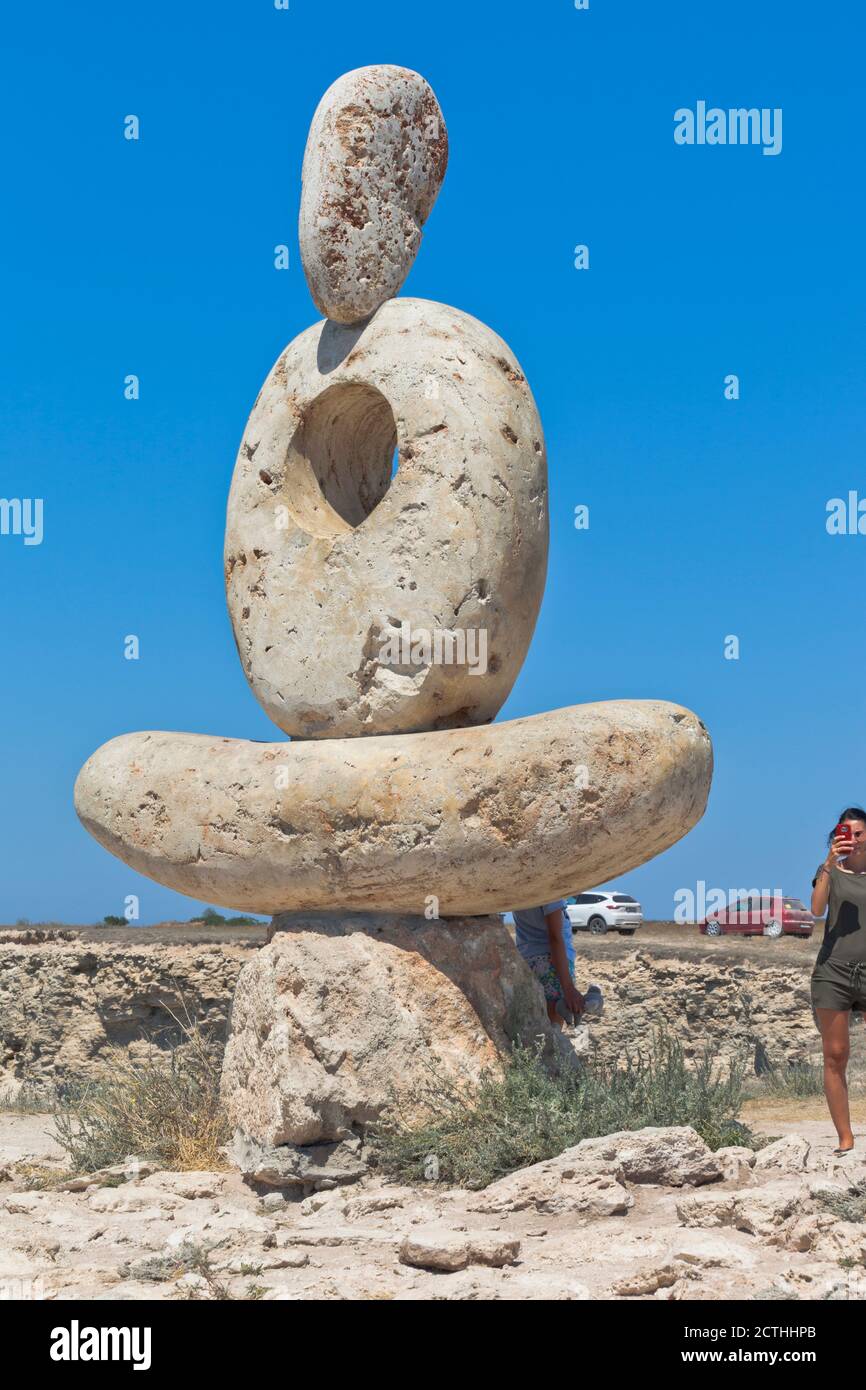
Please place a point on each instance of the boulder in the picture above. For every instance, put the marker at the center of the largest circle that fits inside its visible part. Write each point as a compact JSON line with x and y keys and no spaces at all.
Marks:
{"x":375,"y":160}
{"x":338,"y":1020}
{"x":448,"y":1251}
{"x":364,"y":604}
{"x":310,"y":1167}
{"x":765,"y":1211}
{"x":790,"y":1154}
{"x":467,"y":821}
{"x":671,"y":1156}
{"x":558,"y":1186}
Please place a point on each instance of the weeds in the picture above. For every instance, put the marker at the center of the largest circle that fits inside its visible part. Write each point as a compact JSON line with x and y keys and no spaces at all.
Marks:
{"x":526,"y":1113}
{"x":165,"y":1108}
{"x":795,"y":1081}
{"x":28,"y":1099}
{"x":847,"y":1206}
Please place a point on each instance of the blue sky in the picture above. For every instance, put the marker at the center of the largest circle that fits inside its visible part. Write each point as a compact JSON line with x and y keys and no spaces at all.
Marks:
{"x":707,"y":516}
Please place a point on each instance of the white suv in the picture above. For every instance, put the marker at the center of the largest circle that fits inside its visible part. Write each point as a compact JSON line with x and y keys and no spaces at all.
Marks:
{"x":601,"y":912}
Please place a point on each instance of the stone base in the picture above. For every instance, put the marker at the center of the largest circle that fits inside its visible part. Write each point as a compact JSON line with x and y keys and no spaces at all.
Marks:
{"x":342,"y":1018}
{"x":310,"y":1168}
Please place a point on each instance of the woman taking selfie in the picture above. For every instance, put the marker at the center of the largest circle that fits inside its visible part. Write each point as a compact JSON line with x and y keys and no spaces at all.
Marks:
{"x":839,"y":976}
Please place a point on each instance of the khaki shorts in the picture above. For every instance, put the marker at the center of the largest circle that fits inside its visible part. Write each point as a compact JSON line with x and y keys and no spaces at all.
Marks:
{"x":839,"y":984}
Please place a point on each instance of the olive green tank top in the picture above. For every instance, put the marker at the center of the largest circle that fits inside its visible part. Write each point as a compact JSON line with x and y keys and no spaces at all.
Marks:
{"x":845,"y":927}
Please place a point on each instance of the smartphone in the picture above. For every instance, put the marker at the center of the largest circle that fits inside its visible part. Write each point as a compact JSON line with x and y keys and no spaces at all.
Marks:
{"x":843,"y":832}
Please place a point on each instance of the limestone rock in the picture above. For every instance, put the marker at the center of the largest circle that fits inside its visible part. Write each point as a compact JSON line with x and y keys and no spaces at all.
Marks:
{"x":671,"y":1154}
{"x":557,"y":1185}
{"x":307,"y":1166}
{"x":764,"y":1211}
{"x":650,"y":1279}
{"x":843,"y":1240}
{"x":469,"y":821}
{"x":365,"y":605}
{"x":588,"y":1177}
{"x":790,"y":1154}
{"x":336,"y":1020}
{"x":736,"y":1162}
{"x":434,"y":1248}
{"x":375,"y":160}
{"x":446,"y":1251}
{"x":65,"y":1003}
{"x":707,"y":1250}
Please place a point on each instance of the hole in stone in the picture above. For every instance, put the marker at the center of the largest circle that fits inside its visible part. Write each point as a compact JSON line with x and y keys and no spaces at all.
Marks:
{"x":341,"y":459}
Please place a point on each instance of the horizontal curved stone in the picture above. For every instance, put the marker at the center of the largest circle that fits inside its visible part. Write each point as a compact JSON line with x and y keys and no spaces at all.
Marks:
{"x":375,"y":160}
{"x":466,"y":821}
{"x":341,"y":581}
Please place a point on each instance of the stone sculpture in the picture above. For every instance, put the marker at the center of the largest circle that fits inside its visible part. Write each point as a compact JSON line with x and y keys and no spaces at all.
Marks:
{"x":382,"y":622}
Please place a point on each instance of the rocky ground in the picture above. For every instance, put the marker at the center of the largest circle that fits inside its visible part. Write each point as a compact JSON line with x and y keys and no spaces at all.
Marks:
{"x":652,"y":1214}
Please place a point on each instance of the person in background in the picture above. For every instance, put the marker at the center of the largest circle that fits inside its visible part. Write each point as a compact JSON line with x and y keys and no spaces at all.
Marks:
{"x":838,"y":985}
{"x":541,"y":934}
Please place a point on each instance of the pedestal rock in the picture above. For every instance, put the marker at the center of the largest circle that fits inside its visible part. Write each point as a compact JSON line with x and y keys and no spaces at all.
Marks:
{"x":342,"y":1018}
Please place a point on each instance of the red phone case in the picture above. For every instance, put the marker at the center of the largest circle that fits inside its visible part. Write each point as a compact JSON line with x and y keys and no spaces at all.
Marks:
{"x":842,"y":832}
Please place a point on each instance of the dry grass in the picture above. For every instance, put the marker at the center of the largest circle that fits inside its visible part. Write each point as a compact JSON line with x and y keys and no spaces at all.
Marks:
{"x":165,"y":1108}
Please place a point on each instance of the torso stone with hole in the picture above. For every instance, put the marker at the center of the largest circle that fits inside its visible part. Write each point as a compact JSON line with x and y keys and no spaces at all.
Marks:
{"x":333,"y":569}
{"x":375,"y":160}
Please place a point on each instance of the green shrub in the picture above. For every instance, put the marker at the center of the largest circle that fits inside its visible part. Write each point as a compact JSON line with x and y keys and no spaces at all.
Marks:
{"x":792,"y":1081}
{"x":527,"y":1112}
{"x":210,"y":918}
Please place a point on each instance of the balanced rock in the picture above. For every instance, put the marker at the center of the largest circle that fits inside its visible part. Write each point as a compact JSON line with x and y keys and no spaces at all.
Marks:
{"x":363,"y":604}
{"x":339,"y":1019}
{"x":375,"y":160}
{"x":467,"y":821}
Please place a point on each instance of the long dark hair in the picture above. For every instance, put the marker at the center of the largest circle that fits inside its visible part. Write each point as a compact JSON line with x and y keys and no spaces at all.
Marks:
{"x":850,"y":813}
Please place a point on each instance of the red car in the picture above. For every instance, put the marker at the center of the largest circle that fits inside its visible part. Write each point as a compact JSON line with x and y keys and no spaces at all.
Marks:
{"x":754,"y":915}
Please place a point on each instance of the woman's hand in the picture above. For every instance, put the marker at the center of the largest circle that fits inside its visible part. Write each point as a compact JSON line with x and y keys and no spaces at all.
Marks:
{"x":839,"y":849}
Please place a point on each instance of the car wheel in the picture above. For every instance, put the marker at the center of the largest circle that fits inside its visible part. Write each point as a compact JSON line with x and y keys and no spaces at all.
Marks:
{"x":626,"y":931}
{"x":713,"y":929}
{"x":773,"y":928}
{"x":598,"y":926}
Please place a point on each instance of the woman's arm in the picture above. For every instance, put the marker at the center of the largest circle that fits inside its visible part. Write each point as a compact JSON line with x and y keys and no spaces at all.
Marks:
{"x":821,"y":891}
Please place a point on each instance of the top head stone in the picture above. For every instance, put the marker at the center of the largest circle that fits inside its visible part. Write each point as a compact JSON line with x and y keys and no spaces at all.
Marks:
{"x":375,"y":160}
